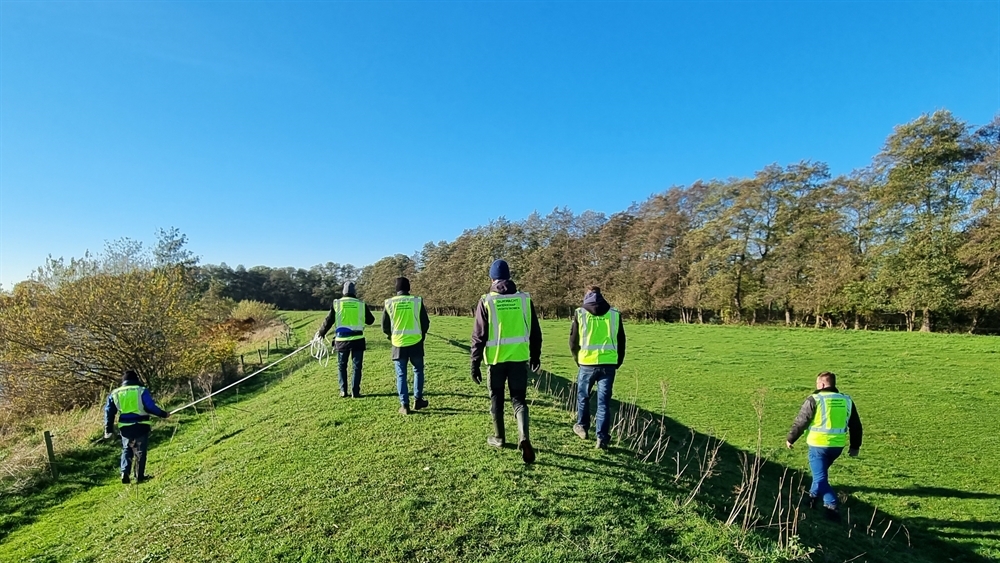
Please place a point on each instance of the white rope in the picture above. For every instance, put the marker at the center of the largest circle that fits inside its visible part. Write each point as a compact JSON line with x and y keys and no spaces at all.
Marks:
{"x":235,"y":383}
{"x":318,"y":349}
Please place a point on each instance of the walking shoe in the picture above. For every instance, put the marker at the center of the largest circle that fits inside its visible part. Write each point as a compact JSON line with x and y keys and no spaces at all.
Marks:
{"x":495,"y":442}
{"x":813,"y":501}
{"x":143,"y":478}
{"x":356,"y":395}
{"x":831,"y":513}
{"x":419,"y":404}
{"x":527,"y":452}
{"x":404,"y":409}
{"x":580,"y":431}
{"x":602,"y":445}
{"x":125,"y":479}
{"x":343,"y":394}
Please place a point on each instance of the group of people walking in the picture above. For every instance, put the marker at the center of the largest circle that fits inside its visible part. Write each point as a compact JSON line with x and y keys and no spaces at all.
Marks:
{"x":506,"y":336}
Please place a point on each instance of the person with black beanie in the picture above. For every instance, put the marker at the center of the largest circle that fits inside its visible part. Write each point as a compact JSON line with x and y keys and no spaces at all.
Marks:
{"x":506,"y":334}
{"x":405,"y":324}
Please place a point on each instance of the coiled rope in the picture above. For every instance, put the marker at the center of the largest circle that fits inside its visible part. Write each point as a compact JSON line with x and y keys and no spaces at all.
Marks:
{"x":318,"y":349}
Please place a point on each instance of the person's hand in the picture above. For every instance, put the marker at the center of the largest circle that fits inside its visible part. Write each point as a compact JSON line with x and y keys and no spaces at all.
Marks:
{"x":535,"y":366}
{"x":788,"y":444}
{"x":107,"y":435}
{"x":167,"y":415}
{"x":853,"y":452}
{"x":477,"y":373}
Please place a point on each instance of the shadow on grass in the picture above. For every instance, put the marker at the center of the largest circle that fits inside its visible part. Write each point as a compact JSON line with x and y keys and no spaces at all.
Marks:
{"x":925,"y":492}
{"x":918,"y":539}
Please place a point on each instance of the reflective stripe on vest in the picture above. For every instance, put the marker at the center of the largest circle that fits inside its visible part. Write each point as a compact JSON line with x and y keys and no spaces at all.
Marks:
{"x":509,"y":327}
{"x":829,"y":424}
{"x":350,"y":315}
{"x":404,"y":313}
{"x":598,"y":338}
{"x":128,"y":400}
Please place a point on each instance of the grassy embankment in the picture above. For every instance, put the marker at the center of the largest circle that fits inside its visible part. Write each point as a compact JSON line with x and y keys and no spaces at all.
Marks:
{"x":296,"y":473}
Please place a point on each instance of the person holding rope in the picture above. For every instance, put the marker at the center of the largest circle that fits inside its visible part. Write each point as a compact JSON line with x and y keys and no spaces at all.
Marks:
{"x":349,"y":315}
{"x":133,"y":404}
{"x":405,"y":324}
{"x":507,"y":335}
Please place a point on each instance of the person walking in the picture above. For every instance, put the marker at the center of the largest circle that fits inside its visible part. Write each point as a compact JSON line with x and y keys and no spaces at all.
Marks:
{"x":506,"y":334}
{"x":597,"y":341}
{"x":132,"y":404}
{"x":349,"y":315}
{"x":826,"y":416}
{"x":405,"y":323}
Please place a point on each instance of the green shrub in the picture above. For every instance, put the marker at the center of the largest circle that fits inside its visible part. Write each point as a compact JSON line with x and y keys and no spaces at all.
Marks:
{"x":250,"y":310}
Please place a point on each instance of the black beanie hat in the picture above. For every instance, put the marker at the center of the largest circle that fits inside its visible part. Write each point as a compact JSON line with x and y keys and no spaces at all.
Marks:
{"x":129,"y":375}
{"x":499,"y":270}
{"x":402,"y":284}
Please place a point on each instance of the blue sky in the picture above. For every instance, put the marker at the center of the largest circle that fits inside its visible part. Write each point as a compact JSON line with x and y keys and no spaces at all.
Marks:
{"x":296,"y":133}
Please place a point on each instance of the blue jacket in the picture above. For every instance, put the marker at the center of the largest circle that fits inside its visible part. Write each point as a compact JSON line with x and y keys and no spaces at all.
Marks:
{"x":110,"y":410}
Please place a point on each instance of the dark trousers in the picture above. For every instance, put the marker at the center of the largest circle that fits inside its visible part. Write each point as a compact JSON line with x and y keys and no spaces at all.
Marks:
{"x":135,"y":441}
{"x":515,"y":376}
{"x":343,"y":357}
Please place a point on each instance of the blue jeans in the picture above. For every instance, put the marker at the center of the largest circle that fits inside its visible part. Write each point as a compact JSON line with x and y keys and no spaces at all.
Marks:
{"x":342,"y":357}
{"x":138,"y":434}
{"x":417,"y":361}
{"x":820,"y":460}
{"x":604,"y":377}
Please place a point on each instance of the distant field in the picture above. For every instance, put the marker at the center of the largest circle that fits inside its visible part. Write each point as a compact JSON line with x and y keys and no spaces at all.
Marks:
{"x":288,"y":471}
{"x":930,"y":404}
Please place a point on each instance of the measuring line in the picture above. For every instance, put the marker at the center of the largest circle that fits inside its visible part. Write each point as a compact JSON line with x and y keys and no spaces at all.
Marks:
{"x":235,"y":383}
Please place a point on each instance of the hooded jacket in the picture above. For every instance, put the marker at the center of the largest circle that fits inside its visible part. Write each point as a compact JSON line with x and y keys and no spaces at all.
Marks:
{"x":480,"y":330}
{"x":110,"y":410}
{"x":808,"y":411}
{"x":595,"y":304}
{"x":344,"y":345}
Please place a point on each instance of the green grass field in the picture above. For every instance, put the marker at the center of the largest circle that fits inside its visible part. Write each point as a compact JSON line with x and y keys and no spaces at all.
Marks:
{"x":288,"y":471}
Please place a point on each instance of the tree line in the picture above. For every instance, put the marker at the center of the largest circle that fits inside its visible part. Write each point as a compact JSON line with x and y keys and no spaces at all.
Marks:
{"x":910,"y":241}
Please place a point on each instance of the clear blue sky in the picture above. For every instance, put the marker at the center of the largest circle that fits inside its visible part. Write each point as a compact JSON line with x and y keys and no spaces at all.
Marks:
{"x":296,"y":133}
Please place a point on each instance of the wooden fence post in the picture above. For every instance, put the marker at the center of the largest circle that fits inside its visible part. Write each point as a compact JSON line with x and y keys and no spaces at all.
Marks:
{"x":52,"y":455}
{"x":260,"y":357}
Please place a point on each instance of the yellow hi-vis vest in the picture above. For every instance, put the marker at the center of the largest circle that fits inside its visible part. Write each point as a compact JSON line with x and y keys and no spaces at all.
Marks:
{"x":598,"y":338}
{"x":350,"y":315}
{"x":829,"y":424}
{"x":128,"y":400}
{"x":509,"y":327}
{"x":404,"y":312}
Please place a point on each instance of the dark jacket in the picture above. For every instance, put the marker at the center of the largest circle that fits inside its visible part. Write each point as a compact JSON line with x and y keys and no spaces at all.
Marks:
{"x":595,"y":304}
{"x":808,"y":411}
{"x":343,"y":345}
{"x":425,"y":324}
{"x":480,"y":329}
{"x":110,"y":410}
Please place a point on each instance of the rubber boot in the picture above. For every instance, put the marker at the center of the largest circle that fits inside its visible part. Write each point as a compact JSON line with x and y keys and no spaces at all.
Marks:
{"x":523,"y":442}
{"x":499,"y":433}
